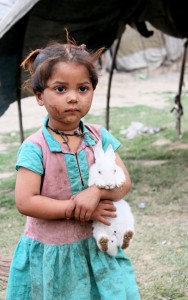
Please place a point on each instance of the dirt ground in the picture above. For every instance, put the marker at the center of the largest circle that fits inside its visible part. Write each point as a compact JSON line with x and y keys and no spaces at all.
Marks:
{"x":128,"y":89}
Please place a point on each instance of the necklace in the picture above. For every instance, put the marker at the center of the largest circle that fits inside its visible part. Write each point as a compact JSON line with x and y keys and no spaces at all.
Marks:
{"x":78,"y":132}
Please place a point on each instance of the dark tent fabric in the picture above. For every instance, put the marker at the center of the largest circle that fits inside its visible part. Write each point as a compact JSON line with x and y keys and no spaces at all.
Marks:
{"x":94,"y":23}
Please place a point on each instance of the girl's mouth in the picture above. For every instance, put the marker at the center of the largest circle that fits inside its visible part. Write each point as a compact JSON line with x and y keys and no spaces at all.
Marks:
{"x":72,"y":110}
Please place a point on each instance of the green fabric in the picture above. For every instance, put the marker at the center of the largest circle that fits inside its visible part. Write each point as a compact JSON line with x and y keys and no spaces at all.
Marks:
{"x":78,"y":271}
{"x":78,"y":171}
{"x":32,"y":158}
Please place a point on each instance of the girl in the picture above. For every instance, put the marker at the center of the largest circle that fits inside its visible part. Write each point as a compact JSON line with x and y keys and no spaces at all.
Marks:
{"x":57,"y":258}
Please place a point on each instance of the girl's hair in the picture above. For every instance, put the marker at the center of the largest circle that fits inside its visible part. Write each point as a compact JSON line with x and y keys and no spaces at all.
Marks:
{"x":40,"y":63}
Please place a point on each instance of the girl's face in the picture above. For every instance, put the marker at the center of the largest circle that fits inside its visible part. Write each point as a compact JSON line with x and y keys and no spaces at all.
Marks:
{"x":68,"y":96}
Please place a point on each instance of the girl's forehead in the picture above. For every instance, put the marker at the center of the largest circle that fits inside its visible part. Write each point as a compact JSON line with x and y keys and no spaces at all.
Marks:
{"x":69,"y":70}
{"x":68,"y":67}
{"x":61,"y":65}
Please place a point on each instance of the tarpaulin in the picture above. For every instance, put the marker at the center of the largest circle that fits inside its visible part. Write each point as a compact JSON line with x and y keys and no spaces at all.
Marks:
{"x":94,"y":23}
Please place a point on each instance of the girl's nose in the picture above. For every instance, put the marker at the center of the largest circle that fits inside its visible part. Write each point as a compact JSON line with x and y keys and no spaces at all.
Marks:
{"x":72,"y":96}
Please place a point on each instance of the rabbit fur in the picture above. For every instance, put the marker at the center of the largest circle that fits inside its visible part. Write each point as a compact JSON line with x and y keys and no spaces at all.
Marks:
{"x":105,"y":173}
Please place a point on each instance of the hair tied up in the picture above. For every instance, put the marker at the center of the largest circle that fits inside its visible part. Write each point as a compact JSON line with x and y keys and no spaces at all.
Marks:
{"x":28,"y":63}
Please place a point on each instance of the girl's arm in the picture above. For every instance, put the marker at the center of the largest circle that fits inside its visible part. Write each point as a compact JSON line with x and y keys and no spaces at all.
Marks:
{"x":29,"y":201}
{"x":88,"y":200}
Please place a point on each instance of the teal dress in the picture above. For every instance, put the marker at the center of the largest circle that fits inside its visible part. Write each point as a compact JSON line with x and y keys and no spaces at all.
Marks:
{"x":59,"y":259}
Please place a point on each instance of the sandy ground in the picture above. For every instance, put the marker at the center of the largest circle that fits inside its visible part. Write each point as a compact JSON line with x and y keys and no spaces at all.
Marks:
{"x":128,"y":89}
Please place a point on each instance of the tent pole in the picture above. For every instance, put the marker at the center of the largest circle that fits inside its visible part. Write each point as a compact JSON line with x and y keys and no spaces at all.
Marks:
{"x":122,"y":28}
{"x":18,"y":97}
{"x":177,"y":101}
{"x":23,"y":26}
{"x":20,"y":119}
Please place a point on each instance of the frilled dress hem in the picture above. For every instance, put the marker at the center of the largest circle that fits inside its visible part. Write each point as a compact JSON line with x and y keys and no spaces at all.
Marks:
{"x":77,"y":271}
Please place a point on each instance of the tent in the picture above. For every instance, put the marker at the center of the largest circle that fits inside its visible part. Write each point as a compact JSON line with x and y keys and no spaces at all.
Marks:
{"x":30,"y":24}
{"x":137,"y":52}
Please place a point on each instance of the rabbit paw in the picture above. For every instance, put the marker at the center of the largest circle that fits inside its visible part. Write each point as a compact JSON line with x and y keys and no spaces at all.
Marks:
{"x":126,"y":239}
{"x":103,"y":244}
{"x":120,"y":183}
{"x":108,"y":245}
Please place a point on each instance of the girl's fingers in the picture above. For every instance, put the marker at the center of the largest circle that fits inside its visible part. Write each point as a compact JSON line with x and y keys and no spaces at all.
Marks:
{"x":82,"y":216}
{"x":104,"y":221}
{"x":110,"y":207}
{"x":87,"y":216}
{"x":110,"y":202}
{"x":77,"y":213}
{"x":109,"y":214}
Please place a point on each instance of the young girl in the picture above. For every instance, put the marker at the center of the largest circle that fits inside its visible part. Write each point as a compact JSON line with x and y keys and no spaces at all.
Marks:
{"x":57,"y":258}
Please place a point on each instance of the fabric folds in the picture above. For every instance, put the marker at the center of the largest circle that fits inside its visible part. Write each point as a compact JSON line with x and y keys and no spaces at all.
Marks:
{"x":72,"y":271}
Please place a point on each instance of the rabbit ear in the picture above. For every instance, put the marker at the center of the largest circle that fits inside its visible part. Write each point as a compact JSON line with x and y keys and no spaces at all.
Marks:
{"x":98,"y":150}
{"x":110,"y":152}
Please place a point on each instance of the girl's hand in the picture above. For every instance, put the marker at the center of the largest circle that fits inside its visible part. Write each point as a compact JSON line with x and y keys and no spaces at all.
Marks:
{"x":84,"y":204}
{"x":104,"y":209}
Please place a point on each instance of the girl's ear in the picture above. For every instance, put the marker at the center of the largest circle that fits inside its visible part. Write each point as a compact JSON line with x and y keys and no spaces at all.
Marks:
{"x":39,"y":97}
{"x":110,"y":152}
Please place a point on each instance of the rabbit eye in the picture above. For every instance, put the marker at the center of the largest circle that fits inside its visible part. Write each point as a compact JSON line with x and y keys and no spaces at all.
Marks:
{"x":115,"y":171}
{"x":99,"y":172}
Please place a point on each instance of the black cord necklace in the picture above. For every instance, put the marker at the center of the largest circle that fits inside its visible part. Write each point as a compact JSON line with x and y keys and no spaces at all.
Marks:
{"x":78,"y":132}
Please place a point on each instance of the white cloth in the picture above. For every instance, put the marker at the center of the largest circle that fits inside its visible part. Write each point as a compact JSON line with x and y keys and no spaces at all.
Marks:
{"x":136,"y":129}
{"x":12,"y":11}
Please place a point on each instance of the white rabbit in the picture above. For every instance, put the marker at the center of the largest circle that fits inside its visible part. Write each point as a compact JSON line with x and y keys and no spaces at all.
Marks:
{"x":105,"y":173}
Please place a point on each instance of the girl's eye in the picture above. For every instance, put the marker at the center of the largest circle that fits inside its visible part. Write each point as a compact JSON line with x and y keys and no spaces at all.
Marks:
{"x":83,"y":88}
{"x":60,"y":89}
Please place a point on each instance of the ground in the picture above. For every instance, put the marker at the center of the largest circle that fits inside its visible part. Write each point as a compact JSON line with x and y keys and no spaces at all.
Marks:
{"x":129,"y":89}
